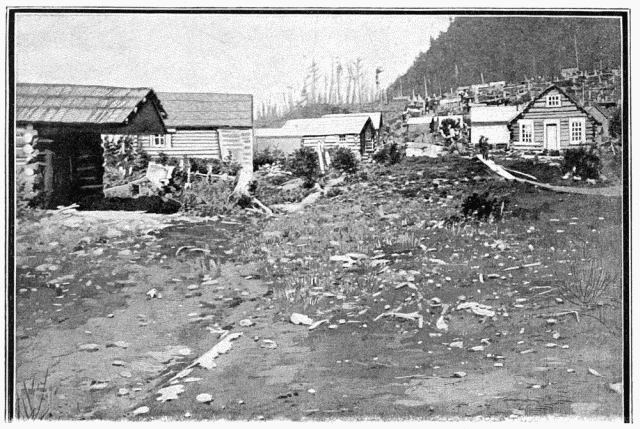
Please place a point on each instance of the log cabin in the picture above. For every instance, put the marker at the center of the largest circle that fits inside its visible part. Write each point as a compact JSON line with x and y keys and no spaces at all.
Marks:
{"x":353,"y":132}
{"x":58,"y":143}
{"x":205,"y":125}
{"x":376,"y":121}
{"x":552,"y":121}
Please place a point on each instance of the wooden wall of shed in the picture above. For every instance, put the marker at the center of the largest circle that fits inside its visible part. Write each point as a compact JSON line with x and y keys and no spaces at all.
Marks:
{"x":189,"y":143}
{"x":238,"y":143}
{"x":352,"y":142}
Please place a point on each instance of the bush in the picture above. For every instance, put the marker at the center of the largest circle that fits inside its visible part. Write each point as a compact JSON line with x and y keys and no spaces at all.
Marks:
{"x":304,"y":163}
{"x":268,"y":156}
{"x":389,"y":154}
{"x":343,"y":159}
{"x":483,"y":206}
{"x":582,"y":162}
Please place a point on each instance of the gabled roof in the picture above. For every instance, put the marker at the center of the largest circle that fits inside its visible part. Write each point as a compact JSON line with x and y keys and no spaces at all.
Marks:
{"x":492,"y":114}
{"x":376,"y":117}
{"x":596,"y":109}
{"x":542,"y":94}
{"x":199,"y":110}
{"x":80,"y":104}
{"x":326,"y":126}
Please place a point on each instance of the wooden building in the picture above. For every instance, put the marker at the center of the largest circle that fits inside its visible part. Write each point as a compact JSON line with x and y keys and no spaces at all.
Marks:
{"x":58,"y":142}
{"x":205,"y":125}
{"x":376,"y":121}
{"x":602,"y":115}
{"x":276,"y":139}
{"x":491,"y":122}
{"x":552,"y":121}
{"x":353,"y":132}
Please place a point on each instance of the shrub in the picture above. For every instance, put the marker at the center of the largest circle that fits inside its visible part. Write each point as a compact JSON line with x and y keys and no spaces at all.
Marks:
{"x":304,"y":163}
{"x":343,"y":159}
{"x":583,"y":162}
{"x":389,"y":154}
{"x":268,"y":156}
{"x":483,"y":206}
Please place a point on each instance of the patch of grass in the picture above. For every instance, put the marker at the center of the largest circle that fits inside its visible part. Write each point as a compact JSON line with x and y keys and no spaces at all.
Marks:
{"x":34,"y":399}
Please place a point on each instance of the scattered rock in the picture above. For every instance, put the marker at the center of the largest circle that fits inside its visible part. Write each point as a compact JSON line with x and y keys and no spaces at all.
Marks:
{"x":141,"y":410}
{"x":594,"y":372}
{"x":459,"y":374}
{"x":616,"y":387}
{"x":123,"y":392}
{"x":246,"y":323}
{"x":170,"y":393}
{"x":89,"y":347}
{"x":204,"y":398}
{"x":301,"y":319}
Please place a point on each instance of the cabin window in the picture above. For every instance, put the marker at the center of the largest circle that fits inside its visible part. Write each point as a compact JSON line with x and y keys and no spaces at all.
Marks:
{"x":158,"y":140}
{"x":553,"y":100}
{"x":576,"y":130}
{"x":526,"y":131}
{"x":342,"y":138}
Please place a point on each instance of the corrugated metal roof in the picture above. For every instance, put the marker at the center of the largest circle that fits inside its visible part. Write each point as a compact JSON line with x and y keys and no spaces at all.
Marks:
{"x":90,"y":104}
{"x":493,"y":114}
{"x":207,"y":109}
{"x":376,"y":117}
{"x":326,"y":126}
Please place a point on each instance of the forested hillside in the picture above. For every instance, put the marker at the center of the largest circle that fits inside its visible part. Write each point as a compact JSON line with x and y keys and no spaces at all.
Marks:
{"x":511,"y":48}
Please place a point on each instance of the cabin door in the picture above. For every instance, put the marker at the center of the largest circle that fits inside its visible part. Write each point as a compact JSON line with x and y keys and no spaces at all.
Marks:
{"x":551,"y":140}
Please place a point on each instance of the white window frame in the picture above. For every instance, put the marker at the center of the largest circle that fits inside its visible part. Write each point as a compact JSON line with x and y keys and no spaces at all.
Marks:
{"x":554,"y":100}
{"x":583,"y":134}
{"x":158,"y":140}
{"x":522,"y":123}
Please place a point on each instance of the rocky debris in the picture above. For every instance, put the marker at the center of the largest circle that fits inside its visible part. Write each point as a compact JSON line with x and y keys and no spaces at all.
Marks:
{"x":204,"y":398}
{"x":141,"y":410}
{"x":170,"y":393}
{"x":300,"y":319}
{"x":89,"y":347}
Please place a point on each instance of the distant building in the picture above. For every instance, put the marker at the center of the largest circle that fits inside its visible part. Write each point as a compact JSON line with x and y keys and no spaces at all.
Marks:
{"x":569,"y":72}
{"x":491,"y":122}
{"x":205,"y":125}
{"x":60,"y":127}
{"x":602,"y":115}
{"x":376,"y":121}
{"x":276,"y":139}
{"x":552,"y":121}
{"x":355,"y":132}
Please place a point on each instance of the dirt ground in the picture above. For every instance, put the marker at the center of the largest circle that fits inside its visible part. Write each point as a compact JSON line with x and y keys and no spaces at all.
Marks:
{"x":112,"y":306}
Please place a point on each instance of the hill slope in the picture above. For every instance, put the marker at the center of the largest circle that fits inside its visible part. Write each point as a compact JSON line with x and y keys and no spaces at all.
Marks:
{"x":510,"y":48}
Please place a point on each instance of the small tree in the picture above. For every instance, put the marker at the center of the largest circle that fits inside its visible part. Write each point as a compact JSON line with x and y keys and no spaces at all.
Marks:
{"x":304,"y":163}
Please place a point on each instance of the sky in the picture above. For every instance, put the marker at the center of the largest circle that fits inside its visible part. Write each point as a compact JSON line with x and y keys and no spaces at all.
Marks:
{"x":263,"y":55}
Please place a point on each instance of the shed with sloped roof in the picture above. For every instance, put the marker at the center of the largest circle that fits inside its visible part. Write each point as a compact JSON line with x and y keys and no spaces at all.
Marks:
{"x":205,"y":125}
{"x":58,"y":143}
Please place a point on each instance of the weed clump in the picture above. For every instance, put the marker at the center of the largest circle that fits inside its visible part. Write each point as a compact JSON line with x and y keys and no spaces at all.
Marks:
{"x":389,"y":154}
{"x":343,"y":159}
{"x":582,"y":162}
